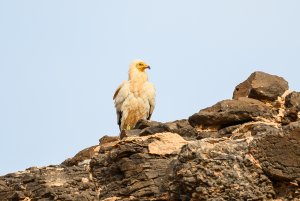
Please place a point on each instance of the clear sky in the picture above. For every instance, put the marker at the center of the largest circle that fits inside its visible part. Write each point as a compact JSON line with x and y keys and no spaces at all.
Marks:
{"x":61,"y":61}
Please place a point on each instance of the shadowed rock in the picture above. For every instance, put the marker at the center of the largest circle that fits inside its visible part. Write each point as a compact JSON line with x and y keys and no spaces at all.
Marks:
{"x":293,"y":100}
{"x":278,"y":151}
{"x":218,"y":168}
{"x":261,"y":86}
{"x":181,"y":127}
{"x":231,"y":112}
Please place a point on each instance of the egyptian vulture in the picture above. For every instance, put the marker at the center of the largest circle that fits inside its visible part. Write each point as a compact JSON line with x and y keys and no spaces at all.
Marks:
{"x":135,"y":97}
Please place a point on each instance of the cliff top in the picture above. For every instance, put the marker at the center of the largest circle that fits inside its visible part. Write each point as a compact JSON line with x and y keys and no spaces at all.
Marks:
{"x":245,"y":148}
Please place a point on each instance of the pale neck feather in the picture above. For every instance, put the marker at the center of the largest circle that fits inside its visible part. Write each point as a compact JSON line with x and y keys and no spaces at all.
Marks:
{"x":137,"y":75}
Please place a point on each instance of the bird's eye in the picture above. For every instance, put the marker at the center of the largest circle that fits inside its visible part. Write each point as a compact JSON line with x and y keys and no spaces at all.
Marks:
{"x":140,"y":64}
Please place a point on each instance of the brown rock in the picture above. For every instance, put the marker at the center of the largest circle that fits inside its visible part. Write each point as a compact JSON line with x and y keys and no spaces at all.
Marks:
{"x":241,"y":149}
{"x":293,"y":100}
{"x":167,"y":143}
{"x":261,"y":86}
{"x":278,"y":151}
{"x":129,"y":133}
{"x":108,"y":139}
{"x":83,"y":155}
{"x":181,"y":127}
{"x":290,"y":115}
{"x":218,"y":169}
{"x":184,"y":129}
{"x":155,"y":129}
{"x":49,"y":183}
{"x":286,"y":191}
{"x":292,"y":111}
{"x":231,"y":112}
{"x":141,"y":124}
{"x":138,"y":166}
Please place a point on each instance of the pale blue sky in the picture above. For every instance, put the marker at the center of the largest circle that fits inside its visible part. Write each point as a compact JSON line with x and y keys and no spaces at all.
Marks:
{"x":61,"y":61}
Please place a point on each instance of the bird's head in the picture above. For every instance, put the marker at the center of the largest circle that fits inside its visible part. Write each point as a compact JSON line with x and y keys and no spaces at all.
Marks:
{"x":137,"y":70}
{"x":140,"y":65}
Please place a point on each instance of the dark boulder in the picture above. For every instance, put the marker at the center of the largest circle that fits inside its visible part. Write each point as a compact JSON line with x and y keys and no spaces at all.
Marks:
{"x":261,"y":86}
{"x":293,"y":100}
{"x":231,"y":112}
{"x":278,"y":151}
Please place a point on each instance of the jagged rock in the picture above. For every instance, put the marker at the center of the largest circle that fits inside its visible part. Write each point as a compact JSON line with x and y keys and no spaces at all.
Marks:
{"x":291,"y":115}
{"x":49,"y":183}
{"x":227,"y":131}
{"x":82,"y":156}
{"x":231,"y":112}
{"x":219,"y":169}
{"x":293,"y":100}
{"x":146,"y":127}
{"x":130,"y":133}
{"x":243,"y":149}
{"x":278,"y":151}
{"x":261,"y":86}
{"x":181,"y":127}
{"x":108,"y":139}
{"x":155,"y":129}
{"x":141,"y":124}
{"x":137,"y":166}
{"x":107,"y":143}
{"x":292,"y":111}
{"x":184,"y":129}
{"x":286,"y":191}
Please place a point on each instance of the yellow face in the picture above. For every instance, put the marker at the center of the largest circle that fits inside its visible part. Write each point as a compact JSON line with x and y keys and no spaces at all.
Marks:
{"x":142,"y":66}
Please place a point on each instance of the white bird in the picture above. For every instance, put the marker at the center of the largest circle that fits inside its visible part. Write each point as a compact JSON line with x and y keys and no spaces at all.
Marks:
{"x":135,"y":97}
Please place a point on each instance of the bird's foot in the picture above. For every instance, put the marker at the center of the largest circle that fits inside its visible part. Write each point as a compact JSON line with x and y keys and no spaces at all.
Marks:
{"x":128,"y":127}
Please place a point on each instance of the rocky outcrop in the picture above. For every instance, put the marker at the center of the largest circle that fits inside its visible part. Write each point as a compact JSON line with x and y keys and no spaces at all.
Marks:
{"x":49,"y":183}
{"x":261,"y":86}
{"x":138,"y":167}
{"x":231,"y":112}
{"x":211,"y":169}
{"x":247,"y":148}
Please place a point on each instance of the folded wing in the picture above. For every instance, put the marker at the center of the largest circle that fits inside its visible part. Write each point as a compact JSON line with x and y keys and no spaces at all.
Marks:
{"x":120,"y":96}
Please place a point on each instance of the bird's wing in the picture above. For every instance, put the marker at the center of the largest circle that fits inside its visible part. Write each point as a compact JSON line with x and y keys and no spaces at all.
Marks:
{"x":151,"y":93}
{"x":120,"y":96}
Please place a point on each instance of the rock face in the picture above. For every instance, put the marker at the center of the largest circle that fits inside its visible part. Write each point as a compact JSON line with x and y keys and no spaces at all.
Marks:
{"x":219,"y":168}
{"x":49,"y":183}
{"x":278,"y":151}
{"x":138,"y":167}
{"x":247,"y":148}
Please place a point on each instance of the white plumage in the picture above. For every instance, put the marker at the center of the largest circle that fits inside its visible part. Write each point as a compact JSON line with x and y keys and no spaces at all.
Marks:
{"x":135,"y":97}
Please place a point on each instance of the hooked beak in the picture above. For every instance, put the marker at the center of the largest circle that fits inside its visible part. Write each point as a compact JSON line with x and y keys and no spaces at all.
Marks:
{"x":148,"y":67}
